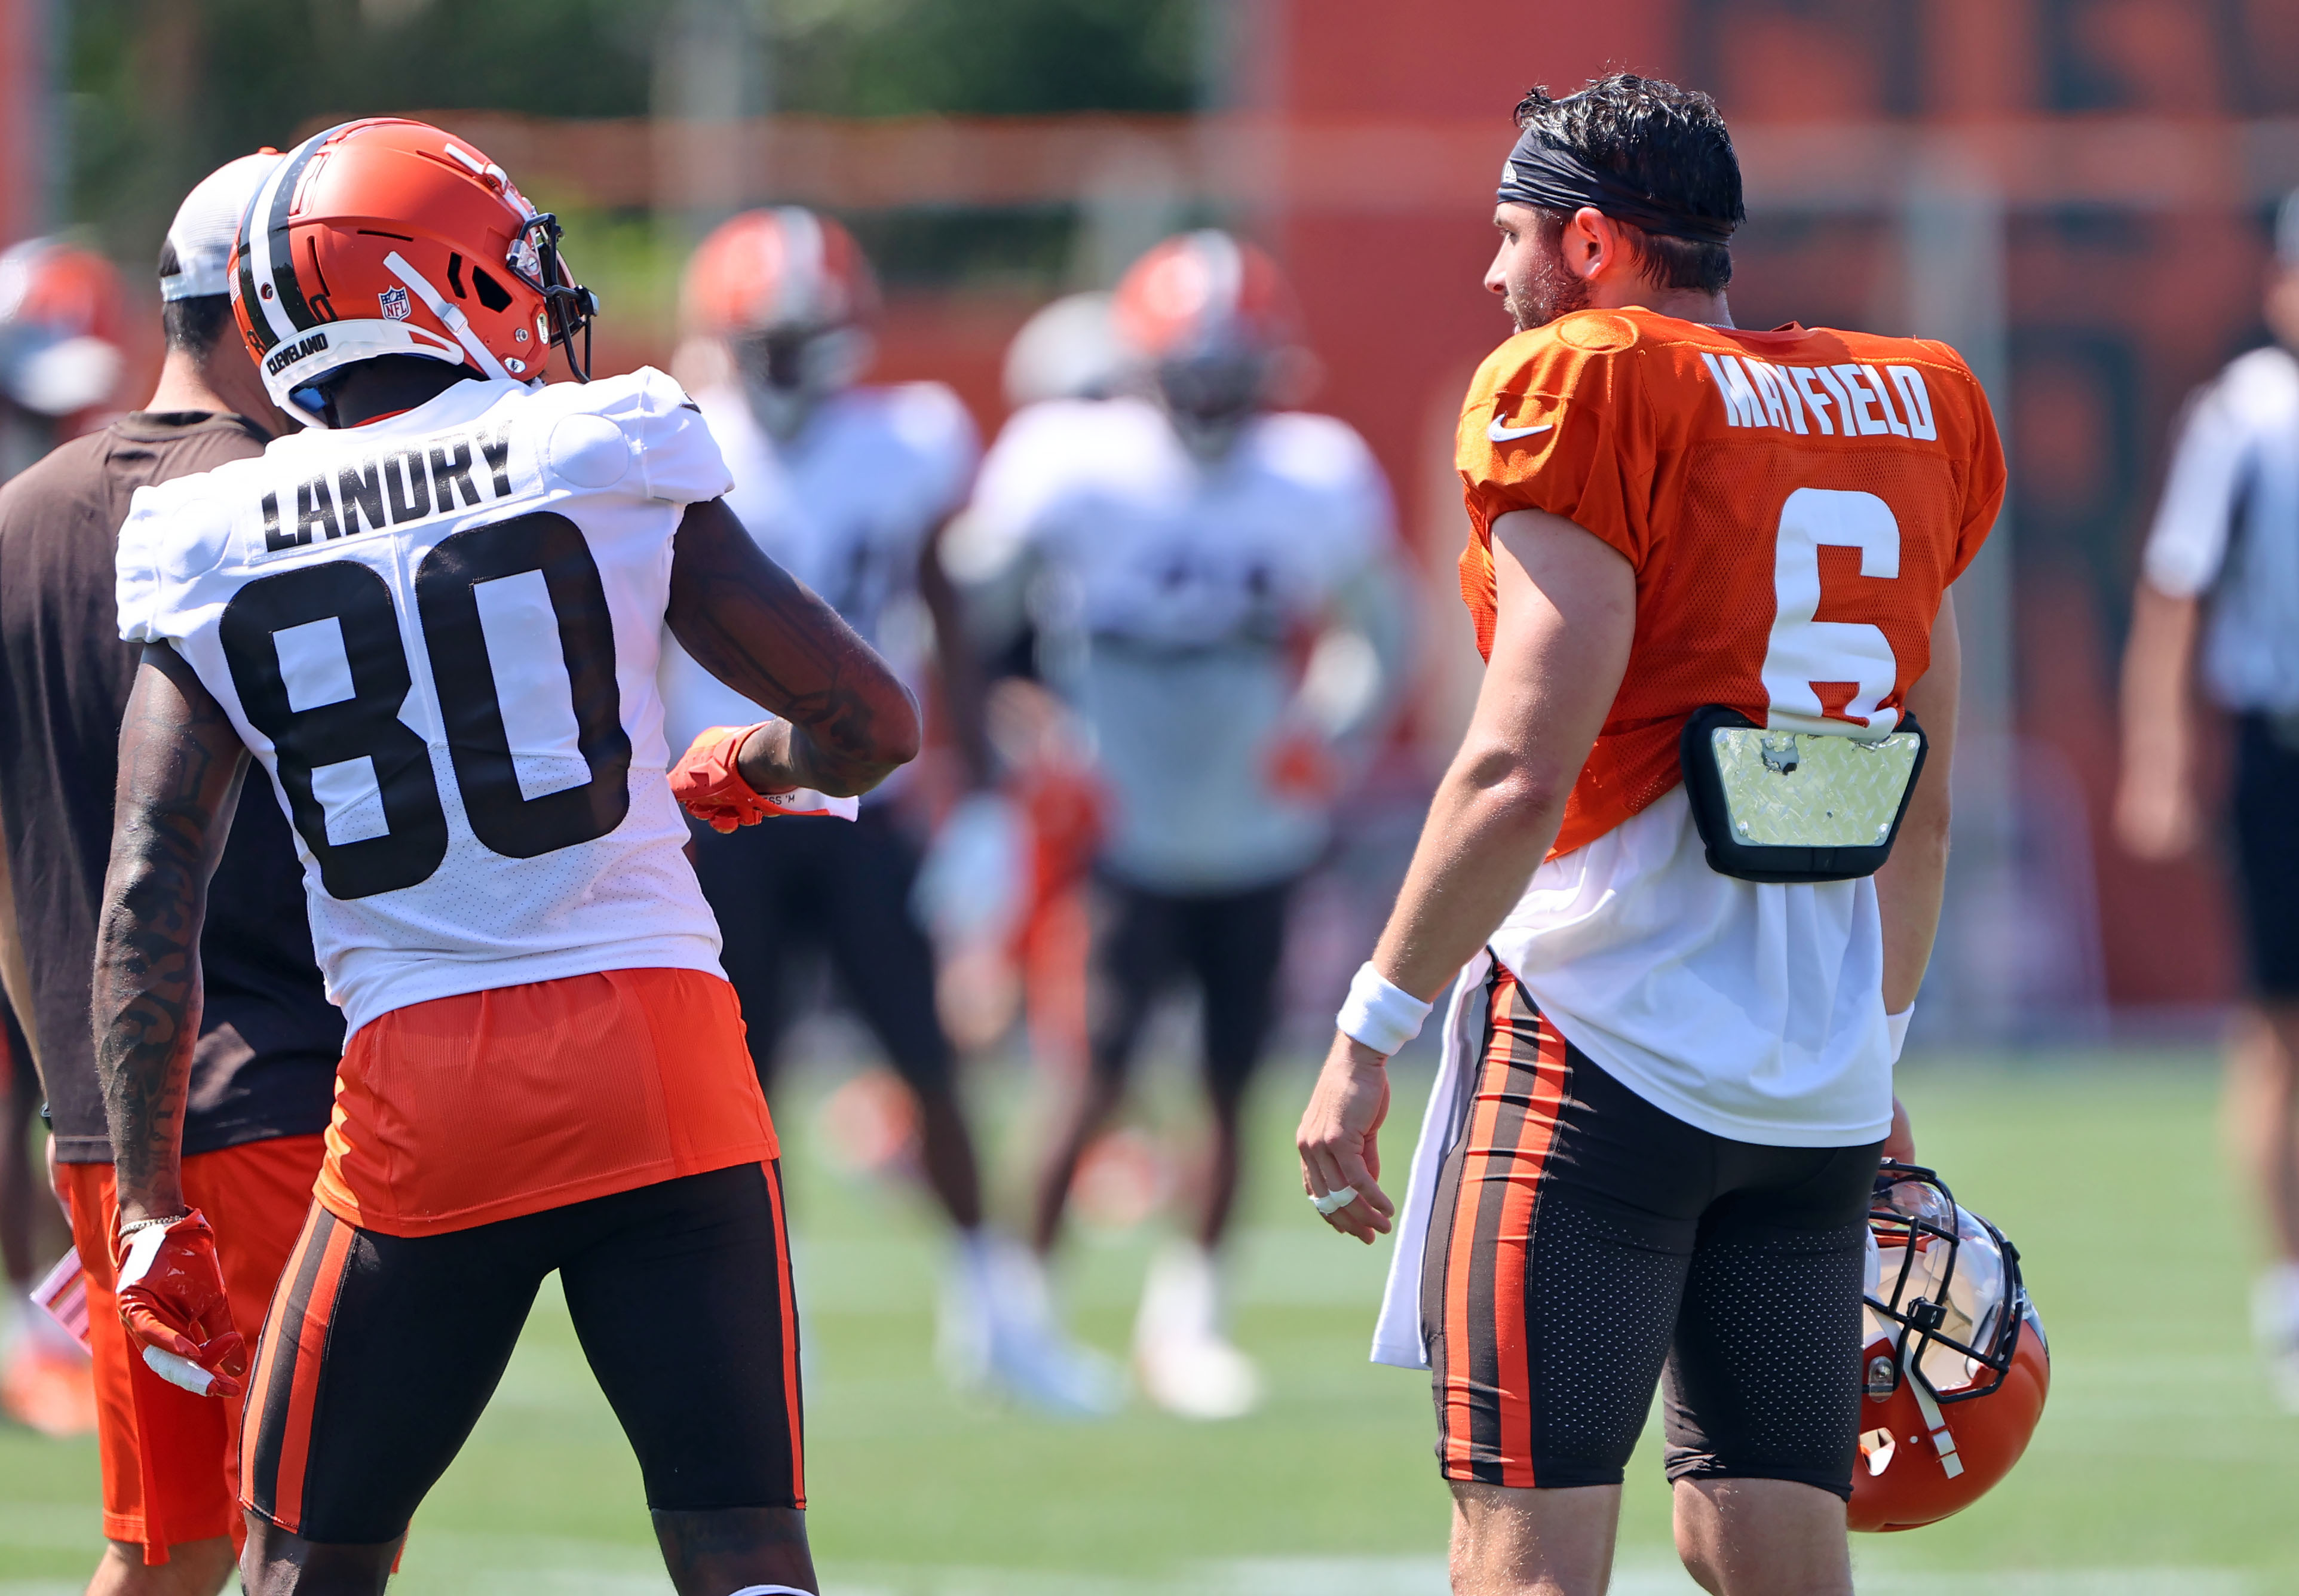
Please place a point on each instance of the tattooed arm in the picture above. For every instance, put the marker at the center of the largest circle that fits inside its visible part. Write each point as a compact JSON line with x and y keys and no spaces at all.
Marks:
{"x":181,"y":764}
{"x":847,"y":721}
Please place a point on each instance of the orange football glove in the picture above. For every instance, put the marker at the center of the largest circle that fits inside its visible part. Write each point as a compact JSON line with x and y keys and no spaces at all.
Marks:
{"x":706,"y":781}
{"x":172,"y":1299}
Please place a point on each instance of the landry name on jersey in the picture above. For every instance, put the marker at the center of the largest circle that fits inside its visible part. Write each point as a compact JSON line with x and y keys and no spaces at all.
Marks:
{"x":438,"y":633}
{"x":1793,"y":502}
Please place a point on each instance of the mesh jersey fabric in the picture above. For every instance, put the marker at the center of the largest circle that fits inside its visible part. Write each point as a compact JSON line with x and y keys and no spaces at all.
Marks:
{"x":438,"y":633}
{"x":466,"y":1110}
{"x":265,"y":1063}
{"x":1686,"y":448}
{"x":1794,"y":504}
{"x":847,"y":507}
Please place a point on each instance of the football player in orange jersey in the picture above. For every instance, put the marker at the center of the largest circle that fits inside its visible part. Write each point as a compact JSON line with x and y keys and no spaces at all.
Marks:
{"x":1682,"y":976}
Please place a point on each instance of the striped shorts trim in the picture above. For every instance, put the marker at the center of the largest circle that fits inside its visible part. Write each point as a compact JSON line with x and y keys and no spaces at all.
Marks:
{"x":381,"y":1352}
{"x":281,"y":1399}
{"x":1486,"y":1201}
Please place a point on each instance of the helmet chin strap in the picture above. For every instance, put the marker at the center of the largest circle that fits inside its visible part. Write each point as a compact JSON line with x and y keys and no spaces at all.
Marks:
{"x":452,"y":315}
{"x":1934,"y":1421}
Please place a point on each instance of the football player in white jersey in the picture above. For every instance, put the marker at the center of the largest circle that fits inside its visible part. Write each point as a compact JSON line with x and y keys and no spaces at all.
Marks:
{"x":848,"y":486}
{"x":1187,"y":543}
{"x":434,"y":619}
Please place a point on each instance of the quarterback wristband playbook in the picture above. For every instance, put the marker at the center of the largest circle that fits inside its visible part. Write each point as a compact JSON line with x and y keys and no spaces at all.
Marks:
{"x":1785,"y":807}
{"x":1380,"y":1013}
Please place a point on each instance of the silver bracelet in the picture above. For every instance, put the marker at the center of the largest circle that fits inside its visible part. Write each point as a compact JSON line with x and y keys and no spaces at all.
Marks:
{"x":133,"y":1226}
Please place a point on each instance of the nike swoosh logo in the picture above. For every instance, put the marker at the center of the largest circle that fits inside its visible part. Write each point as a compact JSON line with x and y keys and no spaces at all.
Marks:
{"x":1505,"y":435}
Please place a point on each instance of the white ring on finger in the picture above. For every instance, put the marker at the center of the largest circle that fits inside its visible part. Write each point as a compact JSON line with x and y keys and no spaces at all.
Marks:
{"x":1334,"y":1201}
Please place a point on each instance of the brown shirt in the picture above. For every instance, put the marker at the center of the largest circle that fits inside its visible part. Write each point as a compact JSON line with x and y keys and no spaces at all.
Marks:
{"x":265,"y":1063}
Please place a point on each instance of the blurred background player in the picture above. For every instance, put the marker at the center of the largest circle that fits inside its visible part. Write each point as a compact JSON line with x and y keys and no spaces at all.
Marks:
{"x":848,"y":487}
{"x":2218,"y":588}
{"x":264,"y":1069}
{"x":60,"y":361}
{"x":1215,"y":589}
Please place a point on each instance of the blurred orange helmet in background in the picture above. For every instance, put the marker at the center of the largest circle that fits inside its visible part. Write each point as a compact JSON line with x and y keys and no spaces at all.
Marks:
{"x":1955,"y":1367}
{"x":387,"y":237}
{"x":1205,"y":293}
{"x":62,"y":317}
{"x":1215,"y":321}
{"x":783,"y":270}
{"x":790,"y":296}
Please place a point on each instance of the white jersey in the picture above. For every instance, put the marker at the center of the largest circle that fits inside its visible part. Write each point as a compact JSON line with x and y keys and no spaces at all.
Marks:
{"x":2229,"y":527}
{"x":846,"y":507}
{"x":1182,"y":584}
{"x":438,"y":633}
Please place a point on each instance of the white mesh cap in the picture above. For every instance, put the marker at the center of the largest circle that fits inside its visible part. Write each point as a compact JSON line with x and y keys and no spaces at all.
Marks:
{"x":201,"y":235}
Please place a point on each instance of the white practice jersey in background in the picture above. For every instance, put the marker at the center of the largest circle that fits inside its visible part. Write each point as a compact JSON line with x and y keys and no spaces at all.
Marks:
{"x":438,"y":633}
{"x":2229,"y":527}
{"x":846,"y":507}
{"x":1175,"y":588}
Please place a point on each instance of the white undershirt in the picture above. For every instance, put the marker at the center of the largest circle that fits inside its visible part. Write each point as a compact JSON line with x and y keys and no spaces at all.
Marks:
{"x":1752,"y":1012}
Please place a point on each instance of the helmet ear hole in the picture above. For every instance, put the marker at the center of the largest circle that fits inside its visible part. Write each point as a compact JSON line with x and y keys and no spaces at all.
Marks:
{"x":491,"y":294}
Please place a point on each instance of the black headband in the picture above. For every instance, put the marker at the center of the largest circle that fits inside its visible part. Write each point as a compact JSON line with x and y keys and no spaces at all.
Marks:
{"x":1542,"y":173}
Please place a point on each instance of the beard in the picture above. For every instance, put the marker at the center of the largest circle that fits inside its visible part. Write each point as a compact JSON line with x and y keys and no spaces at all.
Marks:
{"x":1547,"y":291}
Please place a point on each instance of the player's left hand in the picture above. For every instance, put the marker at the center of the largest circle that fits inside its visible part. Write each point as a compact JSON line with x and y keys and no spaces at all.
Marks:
{"x":1900,"y":1141}
{"x":1338,"y":1137}
{"x":172,"y":1299}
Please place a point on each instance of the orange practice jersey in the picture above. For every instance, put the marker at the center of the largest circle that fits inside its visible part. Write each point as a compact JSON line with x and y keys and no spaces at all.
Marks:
{"x":1794,"y":503}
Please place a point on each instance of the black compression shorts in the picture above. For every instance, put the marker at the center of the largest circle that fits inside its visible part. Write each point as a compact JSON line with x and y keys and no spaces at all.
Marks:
{"x":1585,"y":1245}
{"x":793,"y":883}
{"x":380,"y":1352}
{"x":2267,"y":851}
{"x":1232,"y":944}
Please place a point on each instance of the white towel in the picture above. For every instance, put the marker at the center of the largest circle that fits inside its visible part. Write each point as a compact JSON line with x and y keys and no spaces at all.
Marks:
{"x":1397,"y":1333}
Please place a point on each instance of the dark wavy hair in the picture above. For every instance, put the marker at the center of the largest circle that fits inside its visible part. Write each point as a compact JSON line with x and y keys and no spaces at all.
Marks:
{"x":1671,"y":142}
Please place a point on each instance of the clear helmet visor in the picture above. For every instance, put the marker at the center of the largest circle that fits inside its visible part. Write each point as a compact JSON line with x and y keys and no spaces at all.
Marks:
{"x":1968,"y":1281}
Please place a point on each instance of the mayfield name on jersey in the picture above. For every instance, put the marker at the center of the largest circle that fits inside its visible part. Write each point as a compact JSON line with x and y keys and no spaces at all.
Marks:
{"x":438,"y":633}
{"x":1794,"y":504}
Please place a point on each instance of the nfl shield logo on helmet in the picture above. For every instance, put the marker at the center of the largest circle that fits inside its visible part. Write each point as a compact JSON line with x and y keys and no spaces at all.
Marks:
{"x":395,"y":303}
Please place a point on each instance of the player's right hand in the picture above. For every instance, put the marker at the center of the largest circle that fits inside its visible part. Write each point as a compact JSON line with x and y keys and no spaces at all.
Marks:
{"x":172,"y":1299}
{"x":706,"y":781}
{"x":2157,"y":818}
{"x":1339,"y":1140}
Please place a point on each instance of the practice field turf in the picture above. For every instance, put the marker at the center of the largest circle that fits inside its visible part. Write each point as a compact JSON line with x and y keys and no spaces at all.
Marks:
{"x":2162,"y":1464}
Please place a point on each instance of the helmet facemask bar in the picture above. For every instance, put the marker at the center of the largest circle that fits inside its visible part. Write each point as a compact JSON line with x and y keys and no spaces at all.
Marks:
{"x":571,"y":306}
{"x":1921,"y":1320}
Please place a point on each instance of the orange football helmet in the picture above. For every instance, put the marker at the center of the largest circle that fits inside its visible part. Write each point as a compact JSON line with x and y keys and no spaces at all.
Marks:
{"x":791,"y":296}
{"x":61,"y":315}
{"x":1955,"y":1366}
{"x":387,"y":237}
{"x":1203,"y":292}
{"x":1214,"y":318}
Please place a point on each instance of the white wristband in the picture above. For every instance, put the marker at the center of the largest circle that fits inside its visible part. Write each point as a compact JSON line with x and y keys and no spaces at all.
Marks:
{"x":1380,"y":1013}
{"x":1895,"y":1029}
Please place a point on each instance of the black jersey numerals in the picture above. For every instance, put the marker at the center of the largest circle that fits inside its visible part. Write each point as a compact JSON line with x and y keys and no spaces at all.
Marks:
{"x":364,"y":724}
{"x":447,"y":593}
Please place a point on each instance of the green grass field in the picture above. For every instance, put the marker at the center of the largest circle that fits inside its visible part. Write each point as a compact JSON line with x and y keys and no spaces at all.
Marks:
{"x":2162,"y":1464}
